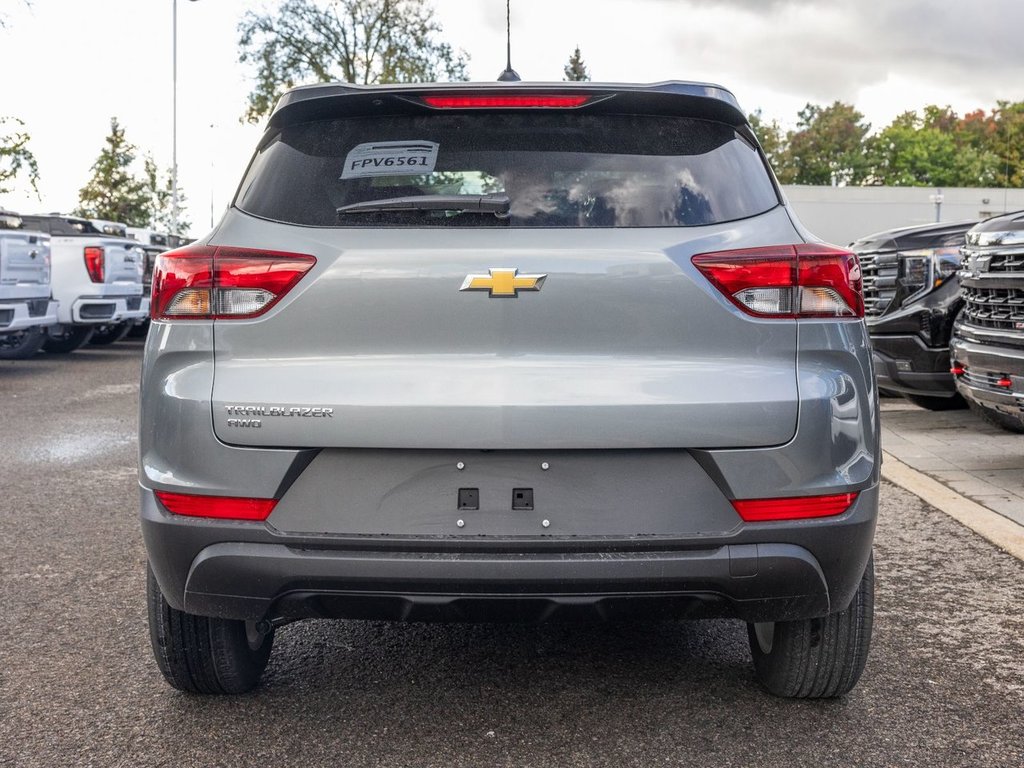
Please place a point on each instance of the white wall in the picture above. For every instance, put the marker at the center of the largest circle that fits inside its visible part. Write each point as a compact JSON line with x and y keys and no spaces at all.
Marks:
{"x":840,"y":215}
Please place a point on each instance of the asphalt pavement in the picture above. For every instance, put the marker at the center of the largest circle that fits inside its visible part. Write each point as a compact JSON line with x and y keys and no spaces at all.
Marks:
{"x":944,"y":684}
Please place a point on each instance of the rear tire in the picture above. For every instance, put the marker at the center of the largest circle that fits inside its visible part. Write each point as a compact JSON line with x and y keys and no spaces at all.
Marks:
{"x":954,"y":403}
{"x":109,"y":334}
{"x":67,"y":339}
{"x":21,"y":345}
{"x":998,"y":418}
{"x":816,"y":658}
{"x":199,"y":654}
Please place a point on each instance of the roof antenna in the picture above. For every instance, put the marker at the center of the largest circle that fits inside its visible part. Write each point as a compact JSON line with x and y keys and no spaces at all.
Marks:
{"x":509,"y":75}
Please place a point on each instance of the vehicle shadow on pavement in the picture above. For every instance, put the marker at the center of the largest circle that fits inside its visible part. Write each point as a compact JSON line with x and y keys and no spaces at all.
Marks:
{"x":447,"y":658}
{"x":431,"y":694}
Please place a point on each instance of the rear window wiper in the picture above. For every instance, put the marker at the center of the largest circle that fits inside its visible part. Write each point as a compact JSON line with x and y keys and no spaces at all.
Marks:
{"x":496,"y":204}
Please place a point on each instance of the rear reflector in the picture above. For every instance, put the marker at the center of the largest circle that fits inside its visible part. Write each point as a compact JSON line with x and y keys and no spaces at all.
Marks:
{"x":505,"y":101}
{"x":201,"y":282}
{"x":787,"y":281}
{"x":94,"y":263}
{"x":220,"y":507}
{"x":796,"y":508}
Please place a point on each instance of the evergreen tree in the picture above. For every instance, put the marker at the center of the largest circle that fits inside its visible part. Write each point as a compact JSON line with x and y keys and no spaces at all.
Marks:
{"x":114,"y":192}
{"x":158,"y":186}
{"x":576,"y":69}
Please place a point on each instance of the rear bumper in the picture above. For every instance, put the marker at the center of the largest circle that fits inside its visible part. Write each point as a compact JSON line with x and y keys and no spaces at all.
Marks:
{"x":18,"y":315}
{"x":906,"y":364}
{"x":761,"y":572}
{"x":112,"y":309}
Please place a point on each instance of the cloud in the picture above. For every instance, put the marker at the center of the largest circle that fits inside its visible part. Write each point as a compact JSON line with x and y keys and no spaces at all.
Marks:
{"x":834,"y":50}
{"x":493,"y":12}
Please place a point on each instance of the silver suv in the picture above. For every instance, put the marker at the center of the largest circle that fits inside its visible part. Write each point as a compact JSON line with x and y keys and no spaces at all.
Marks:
{"x":473,"y":352}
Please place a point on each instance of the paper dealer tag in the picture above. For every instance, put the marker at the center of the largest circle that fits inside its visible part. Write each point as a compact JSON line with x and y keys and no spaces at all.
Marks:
{"x":390,"y":158}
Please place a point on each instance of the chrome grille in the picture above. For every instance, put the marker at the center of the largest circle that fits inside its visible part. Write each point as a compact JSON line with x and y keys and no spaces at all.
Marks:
{"x":1000,"y":308}
{"x":879,"y":270}
{"x":1007,"y":262}
{"x":992,"y":282}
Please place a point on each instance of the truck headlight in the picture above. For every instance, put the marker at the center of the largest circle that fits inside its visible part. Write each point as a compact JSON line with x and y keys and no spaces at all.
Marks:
{"x":925,"y":269}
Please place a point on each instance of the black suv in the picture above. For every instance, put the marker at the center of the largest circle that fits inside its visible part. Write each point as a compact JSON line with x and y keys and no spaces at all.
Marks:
{"x":911,"y":298}
{"x":988,"y":339}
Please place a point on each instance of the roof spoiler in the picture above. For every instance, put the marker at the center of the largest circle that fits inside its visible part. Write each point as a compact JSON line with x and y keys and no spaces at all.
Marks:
{"x":673,"y":98}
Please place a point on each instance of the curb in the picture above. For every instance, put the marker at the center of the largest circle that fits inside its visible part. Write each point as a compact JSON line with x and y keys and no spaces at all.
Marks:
{"x":1001,"y":531}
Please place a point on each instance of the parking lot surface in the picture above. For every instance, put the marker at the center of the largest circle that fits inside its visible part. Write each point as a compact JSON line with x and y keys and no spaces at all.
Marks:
{"x":975,"y":459}
{"x":944,"y":684}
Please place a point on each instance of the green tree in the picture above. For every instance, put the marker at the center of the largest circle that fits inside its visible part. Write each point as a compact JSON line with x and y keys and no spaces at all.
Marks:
{"x":114,"y":192}
{"x":576,"y":69}
{"x":976,"y":163}
{"x":15,"y":157}
{"x":158,"y":187}
{"x":1005,"y":133}
{"x":771,"y":138}
{"x":827,"y":147}
{"x":930,"y":151}
{"x":907,"y":153}
{"x":356,"y":41}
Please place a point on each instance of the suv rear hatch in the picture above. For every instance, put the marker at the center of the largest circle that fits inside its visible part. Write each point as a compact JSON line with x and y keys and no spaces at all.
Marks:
{"x":399,"y":335}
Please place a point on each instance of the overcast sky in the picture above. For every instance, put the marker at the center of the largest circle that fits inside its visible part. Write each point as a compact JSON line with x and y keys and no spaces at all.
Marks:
{"x":68,"y":66}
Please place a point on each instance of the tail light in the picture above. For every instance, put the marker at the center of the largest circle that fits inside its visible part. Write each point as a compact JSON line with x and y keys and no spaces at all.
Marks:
{"x":795,"y":508}
{"x":94,"y":263}
{"x":220,"y":507}
{"x":202,"y":282}
{"x":506,"y":101}
{"x":788,"y":281}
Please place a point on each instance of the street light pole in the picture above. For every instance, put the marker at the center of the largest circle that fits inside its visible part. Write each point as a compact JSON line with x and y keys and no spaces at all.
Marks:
{"x":174,"y":117}
{"x":213,"y":175}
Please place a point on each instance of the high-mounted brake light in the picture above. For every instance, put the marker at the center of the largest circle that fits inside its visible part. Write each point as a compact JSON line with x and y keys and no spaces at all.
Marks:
{"x":505,"y":101}
{"x":220,"y":507}
{"x":788,"y":281}
{"x":202,"y":282}
{"x":94,"y":263}
{"x":795,"y":508}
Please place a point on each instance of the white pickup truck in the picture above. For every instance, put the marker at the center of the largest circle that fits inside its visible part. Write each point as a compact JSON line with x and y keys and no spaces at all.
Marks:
{"x":97,"y":278}
{"x":26,"y":307}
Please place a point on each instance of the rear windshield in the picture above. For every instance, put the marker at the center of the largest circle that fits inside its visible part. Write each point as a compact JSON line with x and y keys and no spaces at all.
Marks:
{"x":511,"y":170}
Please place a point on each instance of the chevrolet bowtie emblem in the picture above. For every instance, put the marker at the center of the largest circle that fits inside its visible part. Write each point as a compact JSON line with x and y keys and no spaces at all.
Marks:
{"x":503,"y":282}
